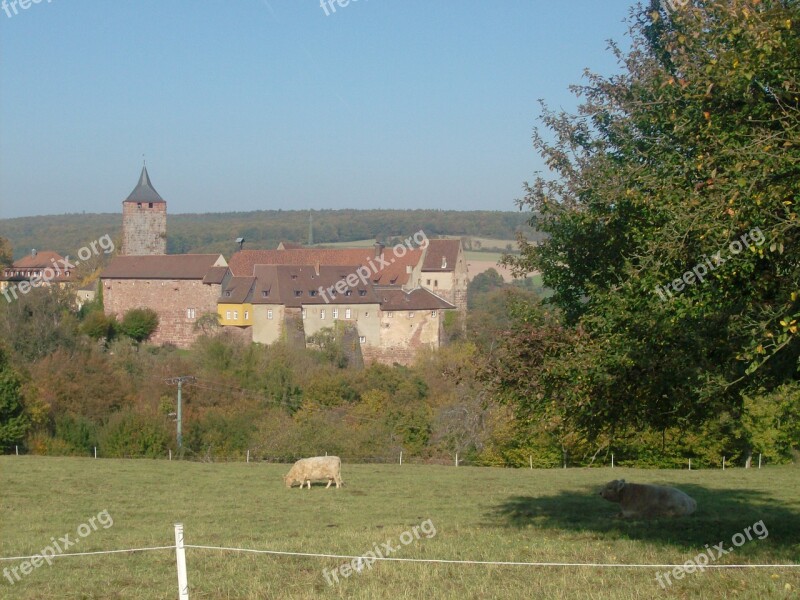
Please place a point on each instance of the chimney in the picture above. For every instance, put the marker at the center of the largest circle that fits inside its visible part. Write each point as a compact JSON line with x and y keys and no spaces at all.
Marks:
{"x":444,"y":262}
{"x":316,"y":268}
{"x":379,"y":249}
{"x":33,"y":252}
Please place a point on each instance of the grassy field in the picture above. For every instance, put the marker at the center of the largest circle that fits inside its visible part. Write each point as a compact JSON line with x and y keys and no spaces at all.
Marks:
{"x":478,"y":514}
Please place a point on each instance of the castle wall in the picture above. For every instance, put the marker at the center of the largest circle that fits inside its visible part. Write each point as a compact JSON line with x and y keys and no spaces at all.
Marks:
{"x":178,"y":303}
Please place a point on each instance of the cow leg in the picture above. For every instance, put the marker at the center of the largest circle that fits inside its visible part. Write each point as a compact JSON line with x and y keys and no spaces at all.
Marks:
{"x":330,"y":481}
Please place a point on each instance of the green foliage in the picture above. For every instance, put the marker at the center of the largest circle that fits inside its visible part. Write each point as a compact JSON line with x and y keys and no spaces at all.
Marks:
{"x":78,"y":434}
{"x":98,"y":326}
{"x":691,"y":151}
{"x":128,"y":434}
{"x":483,"y":283}
{"x":219,"y":433}
{"x":773,"y":422}
{"x":330,"y":342}
{"x":139,"y":323}
{"x":39,"y":323}
{"x":6,"y":253}
{"x":14,"y":423}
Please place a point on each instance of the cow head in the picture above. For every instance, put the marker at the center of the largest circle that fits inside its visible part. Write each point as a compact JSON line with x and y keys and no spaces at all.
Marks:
{"x":611,"y":491}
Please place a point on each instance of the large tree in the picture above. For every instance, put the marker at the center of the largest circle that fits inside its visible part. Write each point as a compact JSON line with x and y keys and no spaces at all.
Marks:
{"x":14,"y":423}
{"x":672,"y":224}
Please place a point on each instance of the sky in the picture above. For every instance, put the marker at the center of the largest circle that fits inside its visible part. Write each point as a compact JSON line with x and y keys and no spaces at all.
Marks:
{"x":240,"y":105}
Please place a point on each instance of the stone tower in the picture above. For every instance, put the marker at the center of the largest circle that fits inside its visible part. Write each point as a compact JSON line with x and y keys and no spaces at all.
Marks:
{"x":144,"y":220}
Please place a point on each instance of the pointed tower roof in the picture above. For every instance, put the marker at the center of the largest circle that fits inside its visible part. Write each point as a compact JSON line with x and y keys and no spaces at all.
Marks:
{"x":144,"y":190}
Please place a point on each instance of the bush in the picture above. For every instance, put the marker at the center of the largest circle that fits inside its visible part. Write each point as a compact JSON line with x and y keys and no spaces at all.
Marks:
{"x":130,"y":434}
{"x":98,"y":326}
{"x":139,"y":324}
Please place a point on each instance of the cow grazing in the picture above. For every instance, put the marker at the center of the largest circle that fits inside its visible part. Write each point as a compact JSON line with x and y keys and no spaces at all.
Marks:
{"x":648,"y":501}
{"x":318,"y":468}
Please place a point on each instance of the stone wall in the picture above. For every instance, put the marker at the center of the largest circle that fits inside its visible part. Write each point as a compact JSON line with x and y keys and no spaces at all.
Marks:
{"x":403,"y":335}
{"x":171,"y":299}
{"x":144,"y":229}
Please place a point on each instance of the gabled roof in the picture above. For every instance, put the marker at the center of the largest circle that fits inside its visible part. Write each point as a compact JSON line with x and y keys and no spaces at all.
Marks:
{"x":237,"y":290}
{"x":417,"y":299}
{"x":296,"y":286}
{"x":41,"y":264}
{"x":40,"y":260}
{"x":215,"y":275}
{"x":173,"y":266}
{"x":290,"y":246}
{"x":441,"y":255}
{"x":144,"y":190}
{"x":395,"y":272}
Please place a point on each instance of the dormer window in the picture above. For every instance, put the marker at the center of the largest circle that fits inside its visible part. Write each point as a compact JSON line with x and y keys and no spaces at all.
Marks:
{"x":294,"y":276}
{"x":312,"y":293}
{"x":265,"y":294}
{"x":298,"y":293}
{"x":362,"y":292}
{"x":348,"y":293}
{"x":228,"y":294}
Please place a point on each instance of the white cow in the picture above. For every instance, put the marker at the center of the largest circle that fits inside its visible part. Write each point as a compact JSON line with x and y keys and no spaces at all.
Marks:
{"x":318,"y":468}
{"x":647,"y":501}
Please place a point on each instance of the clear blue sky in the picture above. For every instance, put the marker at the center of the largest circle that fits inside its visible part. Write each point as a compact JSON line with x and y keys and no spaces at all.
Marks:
{"x":267,"y":104}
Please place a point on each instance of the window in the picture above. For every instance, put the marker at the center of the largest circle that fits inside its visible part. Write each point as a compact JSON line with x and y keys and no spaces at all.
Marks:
{"x":335,"y":312}
{"x":411,"y":314}
{"x":298,"y":293}
{"x":312,"y":293}
{"x":348,"y":293}
{"x":190,"y":313}
{"x":247,"y":315}
{"x":269,"y":314}
{"x":265,"y":294}
{"x":150,"y":205}
{"x":434,"y":314}
{"x":429,"y":281}
{"x":322,"y":313}
{"x":227,"y":315}
{"x":138,"y":205}
{"x":347,"y":313}
{"x":236,"y":315}
{"x":362,"y":339}
{"x":435,"y":283}
{"x":390,"y":315}
{"x":362,"y":292}
{"x":305,"y":313}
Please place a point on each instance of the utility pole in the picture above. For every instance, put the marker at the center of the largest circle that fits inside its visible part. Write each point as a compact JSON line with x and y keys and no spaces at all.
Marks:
{"x":180,"y":381}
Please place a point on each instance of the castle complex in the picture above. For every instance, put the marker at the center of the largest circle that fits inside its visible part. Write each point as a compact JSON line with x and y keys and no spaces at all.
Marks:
{"x":392,"y":300}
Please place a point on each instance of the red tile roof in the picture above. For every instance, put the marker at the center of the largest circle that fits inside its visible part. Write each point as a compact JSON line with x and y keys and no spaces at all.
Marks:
{"x":394,"y":273}
{"x":416,"y":299}
{"x":299,"y":285}
{"x":35,"y":265}
{"x":441,"y":255}
{"x":173,"y":266}
{"x":40,"y":260}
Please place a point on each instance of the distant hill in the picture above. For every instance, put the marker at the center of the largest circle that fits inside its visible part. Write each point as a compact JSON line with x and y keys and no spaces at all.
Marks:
{"x":216,"y":232}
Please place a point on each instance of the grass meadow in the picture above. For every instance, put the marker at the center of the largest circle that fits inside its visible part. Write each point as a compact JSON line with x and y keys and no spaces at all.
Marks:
{"x":478,"y":513}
